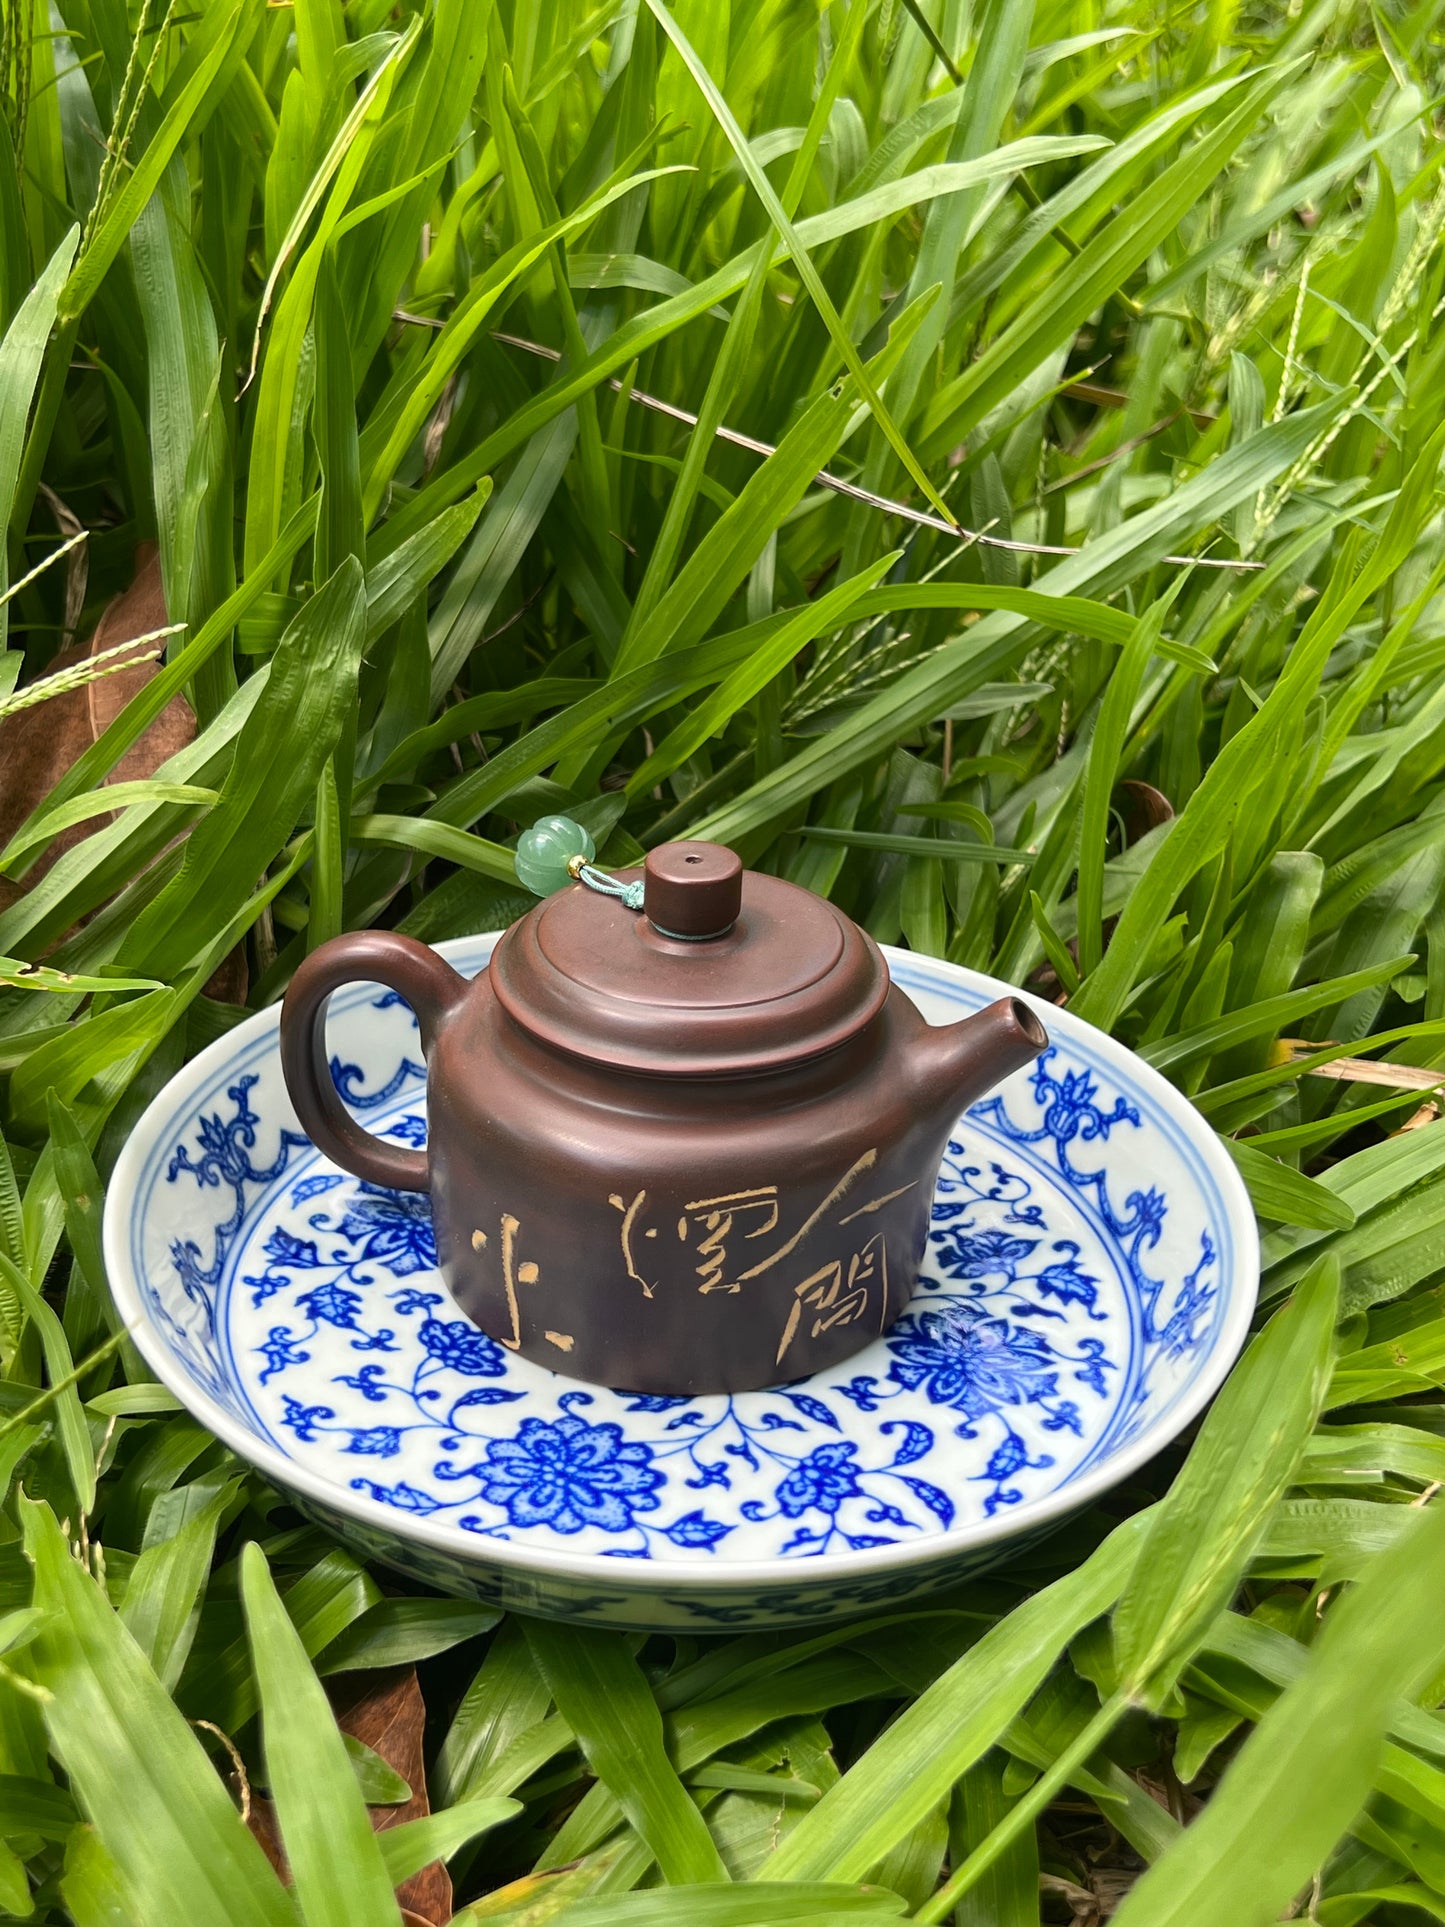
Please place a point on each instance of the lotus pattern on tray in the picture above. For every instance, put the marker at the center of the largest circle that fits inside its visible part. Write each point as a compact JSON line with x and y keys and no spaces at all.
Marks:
{"x":1064,"y":1303}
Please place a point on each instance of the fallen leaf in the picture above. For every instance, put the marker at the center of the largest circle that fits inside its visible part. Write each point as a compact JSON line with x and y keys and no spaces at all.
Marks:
{"x":1142,"y":808}
{"x":260,"y":1817}
{"x":383,"y":1709}
{"x":38,"y":745}
{"x":1358,"y":1070}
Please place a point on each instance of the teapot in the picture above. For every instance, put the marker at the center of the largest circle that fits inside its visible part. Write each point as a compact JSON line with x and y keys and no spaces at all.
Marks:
{"x":683,"y":1131}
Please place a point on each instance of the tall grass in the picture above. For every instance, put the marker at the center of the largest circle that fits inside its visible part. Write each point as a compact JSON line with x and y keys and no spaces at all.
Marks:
{"x":980,"y":461}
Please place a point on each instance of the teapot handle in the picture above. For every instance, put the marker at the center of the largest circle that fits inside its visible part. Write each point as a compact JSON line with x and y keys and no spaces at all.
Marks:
{"x":429,"y":985}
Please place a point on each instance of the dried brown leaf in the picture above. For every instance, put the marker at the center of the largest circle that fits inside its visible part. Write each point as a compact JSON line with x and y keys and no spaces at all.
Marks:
{"x":1142,"y":807}
{"x":383,"y":1709}
{"x":38,"y":746}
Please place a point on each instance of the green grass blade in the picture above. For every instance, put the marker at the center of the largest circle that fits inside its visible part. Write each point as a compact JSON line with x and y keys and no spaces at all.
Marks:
{"x":165,"y":1586}
{"x":336,"y":1864}
{"x":932,"y":1743}
{"x":954,"y":850}
{"x":711,"y":717}
{"x":225,"y":46}
{"x":729,"y":549}
{"x":754,"y":1904}
{"x":925,"y":692}
{"x":21,"y":353}
{"x":984,"y":101}
{"x":466,"y":322}
{"x":399,"y":1632}
{"x":506,"y":1699}
{"x":1115,"y":714}
{"x":92,"y":1887}
{"x":658,"y":323}
{"x":436,"y":839}
{"x":279,"y":755}
{"x":797,"y":251}
{"x":1286,"y":1195}
{"x":407,"y":1848}
{"x":80,"y":809}
{"x":70,"y":1418}
{"x":369,"y":106}
{"x":1270,"y":1014}
{"x":288,"y":372}
{"x":1200,"y":1540}
{"x":137,"y":1769}
{"x":602,"y":1695}
{"x":1313,"y":1757}
{"x":81,"y":1188}
{"x":1102,"y":268}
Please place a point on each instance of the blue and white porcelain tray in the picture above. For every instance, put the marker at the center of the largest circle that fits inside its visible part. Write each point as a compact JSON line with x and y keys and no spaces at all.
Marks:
{"x":1088,"y":1282}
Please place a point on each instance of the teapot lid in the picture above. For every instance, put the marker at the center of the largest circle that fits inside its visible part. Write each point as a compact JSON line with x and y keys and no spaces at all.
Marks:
{"x":725,"y":971}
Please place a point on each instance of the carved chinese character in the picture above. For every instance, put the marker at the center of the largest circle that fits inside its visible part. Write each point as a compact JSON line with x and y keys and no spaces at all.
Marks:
{"x":718,"y":1231}
{"x":513,"y":1274}
{"x":838,"y":1298}
{"x":631,"y":1211}
{"x":715,"y":1218}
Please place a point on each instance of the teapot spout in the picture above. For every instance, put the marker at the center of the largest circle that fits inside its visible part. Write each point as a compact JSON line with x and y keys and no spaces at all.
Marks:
{"x":956,"y":1064}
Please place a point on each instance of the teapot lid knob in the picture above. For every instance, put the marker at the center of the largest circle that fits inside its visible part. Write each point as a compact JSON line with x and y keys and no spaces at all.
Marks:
{"x":692,"y":890}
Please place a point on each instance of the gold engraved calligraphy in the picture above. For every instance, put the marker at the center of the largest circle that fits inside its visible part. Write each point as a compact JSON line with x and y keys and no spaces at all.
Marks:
{"x":712,"y":1220}
{"x":514,"y":1273}
{"x":630,"y":1214}
{"x":720,"y":1229}
{"x":709,"y":1221}
{"x":838,"y":1298}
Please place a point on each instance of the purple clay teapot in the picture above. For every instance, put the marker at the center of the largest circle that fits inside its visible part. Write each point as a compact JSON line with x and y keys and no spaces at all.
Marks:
{"x":684,"y":1151}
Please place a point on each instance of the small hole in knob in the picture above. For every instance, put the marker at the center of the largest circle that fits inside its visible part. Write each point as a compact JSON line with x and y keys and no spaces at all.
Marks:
{"x":692,"y":859}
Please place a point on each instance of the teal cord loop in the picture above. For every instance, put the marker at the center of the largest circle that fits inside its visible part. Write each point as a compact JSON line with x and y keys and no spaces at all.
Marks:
{"x":556,"y":851}
{"x":604,"y":885}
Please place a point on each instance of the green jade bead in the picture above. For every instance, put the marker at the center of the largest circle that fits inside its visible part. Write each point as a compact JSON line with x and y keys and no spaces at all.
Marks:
{"x":544,"y":851}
